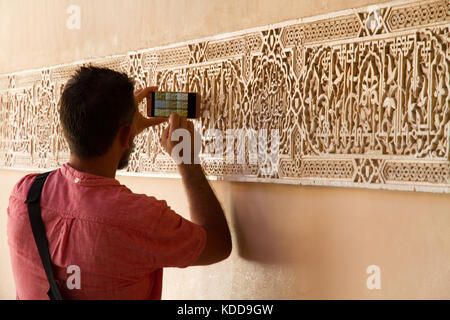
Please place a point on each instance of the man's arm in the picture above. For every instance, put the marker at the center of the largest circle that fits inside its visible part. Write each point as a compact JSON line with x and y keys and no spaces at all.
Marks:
{"x":205,"y":209}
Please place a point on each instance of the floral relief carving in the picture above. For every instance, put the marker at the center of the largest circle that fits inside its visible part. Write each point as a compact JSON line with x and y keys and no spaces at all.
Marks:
{"x":360,"y":98}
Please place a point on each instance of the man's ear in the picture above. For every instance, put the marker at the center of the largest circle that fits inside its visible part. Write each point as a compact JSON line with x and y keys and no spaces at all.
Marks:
{"x":124,"y":135}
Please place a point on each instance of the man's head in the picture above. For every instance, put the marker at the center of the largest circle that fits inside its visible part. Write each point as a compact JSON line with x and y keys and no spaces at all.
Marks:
{"x":96,"y":112}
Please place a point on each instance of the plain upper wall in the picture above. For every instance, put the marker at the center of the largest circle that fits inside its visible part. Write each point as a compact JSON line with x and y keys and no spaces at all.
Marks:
{"x":33,"y":34}
{"x":290,"y":242}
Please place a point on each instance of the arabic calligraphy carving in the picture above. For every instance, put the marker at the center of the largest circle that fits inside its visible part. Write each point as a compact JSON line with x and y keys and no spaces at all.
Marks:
{"x":359,"y":99}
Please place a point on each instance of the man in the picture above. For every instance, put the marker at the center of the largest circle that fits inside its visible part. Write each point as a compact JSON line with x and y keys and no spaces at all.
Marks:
{"x":117,"y":240}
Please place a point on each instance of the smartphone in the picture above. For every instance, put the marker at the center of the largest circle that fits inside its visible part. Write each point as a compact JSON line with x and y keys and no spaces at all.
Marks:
{"x":163,"y":103}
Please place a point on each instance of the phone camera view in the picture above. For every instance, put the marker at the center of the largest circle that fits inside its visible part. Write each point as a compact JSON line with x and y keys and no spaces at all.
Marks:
{"x":171,"y":102}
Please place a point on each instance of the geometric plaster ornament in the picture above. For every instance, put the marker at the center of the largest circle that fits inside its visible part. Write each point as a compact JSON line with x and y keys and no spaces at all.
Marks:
{"x":359,"y":98}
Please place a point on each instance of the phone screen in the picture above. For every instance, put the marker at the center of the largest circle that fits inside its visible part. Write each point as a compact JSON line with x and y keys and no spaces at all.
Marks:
{"x":166,"y":103}
{"x":171,"y":102}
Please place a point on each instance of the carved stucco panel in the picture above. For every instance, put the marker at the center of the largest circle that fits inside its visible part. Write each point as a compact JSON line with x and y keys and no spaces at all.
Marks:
{"x":360,"y":98}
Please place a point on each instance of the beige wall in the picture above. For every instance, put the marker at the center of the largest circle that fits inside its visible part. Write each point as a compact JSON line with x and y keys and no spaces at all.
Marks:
{"x":289,"y":241}
{"x":33,"y":33}
{"x":304,"y":242}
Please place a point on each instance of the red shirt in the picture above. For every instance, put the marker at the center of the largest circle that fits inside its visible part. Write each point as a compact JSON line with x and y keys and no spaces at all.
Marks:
{"x":119,"y":240}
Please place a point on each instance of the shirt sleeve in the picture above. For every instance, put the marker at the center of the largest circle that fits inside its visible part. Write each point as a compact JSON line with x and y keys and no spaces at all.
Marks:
{"x":173,"y":241}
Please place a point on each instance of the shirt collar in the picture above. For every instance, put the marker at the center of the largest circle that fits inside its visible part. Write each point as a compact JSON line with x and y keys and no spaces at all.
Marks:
{"x":84,"y":178}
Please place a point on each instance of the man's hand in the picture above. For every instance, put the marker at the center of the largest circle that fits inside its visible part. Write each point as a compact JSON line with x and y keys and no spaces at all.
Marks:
{"x":140,"y":122}
{"x":177,"y":122}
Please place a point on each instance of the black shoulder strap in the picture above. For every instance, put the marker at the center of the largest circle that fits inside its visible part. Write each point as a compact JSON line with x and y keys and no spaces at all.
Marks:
{"x":37,"y":226}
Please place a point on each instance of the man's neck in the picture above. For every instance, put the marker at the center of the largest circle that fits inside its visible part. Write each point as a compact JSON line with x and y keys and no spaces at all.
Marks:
{"x":97,"y":166}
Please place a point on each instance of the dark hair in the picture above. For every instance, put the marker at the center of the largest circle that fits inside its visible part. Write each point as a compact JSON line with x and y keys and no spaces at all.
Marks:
{"x":94,"y":104}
